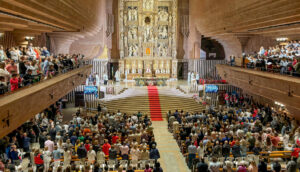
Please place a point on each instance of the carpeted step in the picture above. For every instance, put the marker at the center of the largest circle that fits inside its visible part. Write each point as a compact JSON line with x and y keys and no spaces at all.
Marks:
{"x":154,"y":104}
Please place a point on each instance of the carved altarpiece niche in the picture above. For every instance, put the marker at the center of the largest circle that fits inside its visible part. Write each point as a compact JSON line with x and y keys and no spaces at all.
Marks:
{"x":147,"y":37}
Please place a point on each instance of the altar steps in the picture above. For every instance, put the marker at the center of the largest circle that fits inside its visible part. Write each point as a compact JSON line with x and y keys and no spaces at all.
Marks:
{"x":154,"y":103}
{"x":134,"y":104}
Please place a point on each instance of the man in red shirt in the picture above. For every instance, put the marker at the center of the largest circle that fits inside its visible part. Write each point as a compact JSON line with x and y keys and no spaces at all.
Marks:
{"x":114,"y":138}
{"x":295,"y":152}
{"x":106,"y":147}
{"x":275,"y":140}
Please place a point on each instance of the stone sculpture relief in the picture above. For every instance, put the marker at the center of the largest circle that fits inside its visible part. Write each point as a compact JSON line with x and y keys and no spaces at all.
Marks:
{"x":148,"y":4}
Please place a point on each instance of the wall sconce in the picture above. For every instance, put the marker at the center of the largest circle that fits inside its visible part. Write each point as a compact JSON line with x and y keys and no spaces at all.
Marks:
{"x":29,"y":38}
{"x":1,"y":34}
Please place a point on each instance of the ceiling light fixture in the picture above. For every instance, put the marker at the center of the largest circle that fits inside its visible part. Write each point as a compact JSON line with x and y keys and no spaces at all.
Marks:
{"x":29,"y":38}
{"x":281,"y":39}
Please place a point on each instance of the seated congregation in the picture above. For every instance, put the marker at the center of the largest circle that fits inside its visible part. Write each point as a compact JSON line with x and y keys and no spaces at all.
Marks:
{"x":283,"y":58}
{"x":91,"y":143}
{"x":23,"y":66}
{"x":238,"y":136}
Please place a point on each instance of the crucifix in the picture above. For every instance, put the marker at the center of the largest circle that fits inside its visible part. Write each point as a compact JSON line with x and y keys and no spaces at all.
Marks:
{"x":5,"y":120}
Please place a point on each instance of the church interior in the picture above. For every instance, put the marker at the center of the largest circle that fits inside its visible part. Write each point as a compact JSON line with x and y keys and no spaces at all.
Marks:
{"x":149,"y":85}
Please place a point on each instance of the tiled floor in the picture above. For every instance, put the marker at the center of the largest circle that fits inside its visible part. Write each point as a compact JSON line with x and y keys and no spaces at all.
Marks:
{"x":171,"y":158}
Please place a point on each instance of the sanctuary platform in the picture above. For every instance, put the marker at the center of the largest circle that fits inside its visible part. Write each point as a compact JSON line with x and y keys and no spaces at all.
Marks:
{"x":151,"y":81}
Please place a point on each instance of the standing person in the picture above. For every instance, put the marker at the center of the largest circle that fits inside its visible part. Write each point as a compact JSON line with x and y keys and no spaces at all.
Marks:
{"x":2,"y":54}
{"x":197,"y":78}
{"x":22,"y":67}
{"x":124,"y":149}
{"x":38,"y":159}
{"x":214,"y":166}
{"x":226,"y":150}
{"x":14,"y":54}
{"x":42,"y":139}
{"x":192,"y":150}
{"x":202,"y":166}
{"x":56,"y":158}
{"x":105,"y":78}
{"x":189,"y":77}
{"x":147,"y":168}
{"x":3,"y":73}
{"x":101,"y":156}
{"x":91,"y":154}
{"x":157,"y":168}
{"x":26,"y":142}
{"x":28,"y":78}
{"x":112,"y":153}
{"x":135,"y":153}
{"x":45,"y":52}
{"x":154,"y":153}
{"x":45,"y":66}
{"x":292,"y":165}
{"x":236,"y":150}
{"x":106,"y":146}
{"x":49,"y":144}
{"x":11,"y":67}
{"x":82,"y":153}
{"x":47,"y":158}
{"x":276,"y":167}
{"x":67,"y":157}
{"x":14,"y":82}
{"x":262,"y":166}
{"x":145,"y":154}
{"x":99,"y":109}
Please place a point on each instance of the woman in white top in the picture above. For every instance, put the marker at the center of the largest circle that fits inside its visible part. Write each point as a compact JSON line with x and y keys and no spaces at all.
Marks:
{"x":3,"y":72}
{"x":100,"y":156}
{"x":47,"y":158}
{"x":91,"y":155}
{"x":2,"y":54}
{"x":34,"y":68}
{"x":14,"y":54}
{"x":135,"y":153}
{"x":67,"y":158}
{"x":200,"y":150}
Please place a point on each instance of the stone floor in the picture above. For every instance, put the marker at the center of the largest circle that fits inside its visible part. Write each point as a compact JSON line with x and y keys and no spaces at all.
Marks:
{"x":171,"y":158}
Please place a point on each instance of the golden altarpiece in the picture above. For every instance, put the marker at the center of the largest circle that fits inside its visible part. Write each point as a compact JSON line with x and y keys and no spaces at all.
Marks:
{"x":147,"y":38}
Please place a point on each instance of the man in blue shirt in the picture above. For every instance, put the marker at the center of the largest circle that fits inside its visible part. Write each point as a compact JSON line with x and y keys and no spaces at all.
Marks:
{"x":56,"y":157}
{"x":13,"y":154}
{"x":45,"y":52}
{"x":26,"y":142}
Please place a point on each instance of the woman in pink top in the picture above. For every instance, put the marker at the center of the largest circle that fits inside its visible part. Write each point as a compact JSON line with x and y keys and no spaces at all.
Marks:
{"x":148,"y":169}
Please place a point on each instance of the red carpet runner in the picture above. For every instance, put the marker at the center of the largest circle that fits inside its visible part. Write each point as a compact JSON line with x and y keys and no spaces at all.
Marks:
{"x":154,"y":105}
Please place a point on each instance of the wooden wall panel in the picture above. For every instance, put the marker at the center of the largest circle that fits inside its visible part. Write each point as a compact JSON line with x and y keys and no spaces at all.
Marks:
{"x":21,"y":106}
